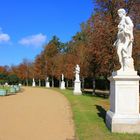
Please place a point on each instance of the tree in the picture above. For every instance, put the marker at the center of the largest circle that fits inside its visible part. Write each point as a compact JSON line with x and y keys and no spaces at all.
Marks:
{"x":51,"y":51}
{"x":79,"y":43}
{"x":101,"y":31}
{"x":12,"y":79}
{"x":39,"y":68}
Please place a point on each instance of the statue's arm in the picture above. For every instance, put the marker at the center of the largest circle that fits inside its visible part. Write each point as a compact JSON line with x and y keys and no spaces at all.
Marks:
{"x":129,"y":22}
{"x":129,"y":27}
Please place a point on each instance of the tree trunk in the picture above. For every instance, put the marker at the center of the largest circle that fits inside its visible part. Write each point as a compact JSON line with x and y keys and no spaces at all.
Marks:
{"x":72,"y":83}
{"x":67,"y":83}
{"x":39,"y":83}
{"x":43,"y":82}
{"x":83,"y":83}
{"x":27,"y":82}
{"x":24,"y":83}
{"x":93,"y":86}
{"x":52,"y":82}
{"x":59,"y":82}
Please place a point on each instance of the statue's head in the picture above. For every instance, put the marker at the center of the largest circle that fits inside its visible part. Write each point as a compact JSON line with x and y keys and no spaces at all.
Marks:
{"x":121,"y":12}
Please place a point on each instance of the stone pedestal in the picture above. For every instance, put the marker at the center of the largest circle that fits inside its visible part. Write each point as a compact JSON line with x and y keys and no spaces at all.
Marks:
{"x":33,"y":84}
{"x":48,"y":84}
{"x":77,"y":88}
{"x":123,"y":115}
{"x":62,"y":86}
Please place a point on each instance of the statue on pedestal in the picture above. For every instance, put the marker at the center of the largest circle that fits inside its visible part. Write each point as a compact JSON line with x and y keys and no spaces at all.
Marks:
{"x":77,"y":82}
{"x":123,"y":115}
{"x":77,"y":72}
{"x":62,"y":86}
{"x":124,"y":41}
{"x":47,"y":82}
{"x":33,"y":83}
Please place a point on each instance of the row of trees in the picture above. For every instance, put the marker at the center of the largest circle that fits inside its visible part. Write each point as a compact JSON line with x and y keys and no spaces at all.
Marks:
{"x":91,"y":48}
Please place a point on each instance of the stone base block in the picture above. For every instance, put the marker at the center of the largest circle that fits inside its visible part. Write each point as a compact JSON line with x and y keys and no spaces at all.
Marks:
{"x":77,"y":88}
{"x":123,"y":123}
{"x":47,"y":84}
{"x":33,"y":85}
{"x":126,"y":73}
{"x":62,"y":85}
{"x":123,"y":115}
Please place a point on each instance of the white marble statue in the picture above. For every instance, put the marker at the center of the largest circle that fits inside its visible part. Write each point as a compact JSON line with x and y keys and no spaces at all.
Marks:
{"x":77,"y":72}
{"x":47,"y":79}
{"x":20,"y":84}
{"x":77,"y":82}
{"x":62,"y":85}
{"x":6,"y":84}
{"x":62,"y":77}
{"x":33,"y":83}
{"x":124,"y":41}
{"x":47,"y":82}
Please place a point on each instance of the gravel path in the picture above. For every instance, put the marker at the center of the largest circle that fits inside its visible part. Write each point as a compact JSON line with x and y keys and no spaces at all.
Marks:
{"x":36,"y":114}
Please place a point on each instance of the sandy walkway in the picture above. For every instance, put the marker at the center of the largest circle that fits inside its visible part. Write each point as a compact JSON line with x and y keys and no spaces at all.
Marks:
{"x":35,"y":114}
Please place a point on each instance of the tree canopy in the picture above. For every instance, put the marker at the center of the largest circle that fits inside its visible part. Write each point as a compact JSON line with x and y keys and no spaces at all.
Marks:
{"x":91,"y":48}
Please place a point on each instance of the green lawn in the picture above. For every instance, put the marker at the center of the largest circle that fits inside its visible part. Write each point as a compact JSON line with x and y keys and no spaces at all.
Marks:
{"x":89,"y":118}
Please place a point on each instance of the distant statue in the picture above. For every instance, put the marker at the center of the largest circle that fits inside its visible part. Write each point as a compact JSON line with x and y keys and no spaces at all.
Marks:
{"x":62,"y":84}
{"x":33,"y":84}
{"x":47,"y":79}
{"x":124,"y":41}
{"x":62,"y":77}
{"x":47,"y":82}
{"x":77,"y":82}
{"x":20,"y":84}
{"x":77,"y":73}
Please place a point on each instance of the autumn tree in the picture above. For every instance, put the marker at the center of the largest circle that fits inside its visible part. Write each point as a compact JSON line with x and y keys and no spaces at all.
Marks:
{"x":27,"y":69}
{"x":107,"y":10}
{"x":69,"y":64}
{"x":101,"y":31}
{"x":39,"y":68}
{"x":91,"y":48}
{"x":51,"y":53}
{"x":80,"y":51}
{"x":3,"y":74}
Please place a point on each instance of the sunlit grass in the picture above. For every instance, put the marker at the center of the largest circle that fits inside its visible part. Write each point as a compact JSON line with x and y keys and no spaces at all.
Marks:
{"x":89,"y":117}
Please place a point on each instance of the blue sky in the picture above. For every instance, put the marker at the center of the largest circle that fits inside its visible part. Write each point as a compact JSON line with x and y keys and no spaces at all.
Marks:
{"x":26,"y":25}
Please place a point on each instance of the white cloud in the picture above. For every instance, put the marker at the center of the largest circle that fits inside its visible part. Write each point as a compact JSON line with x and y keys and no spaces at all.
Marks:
{"x":4,"y":37}
{"x":33,"y":40}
